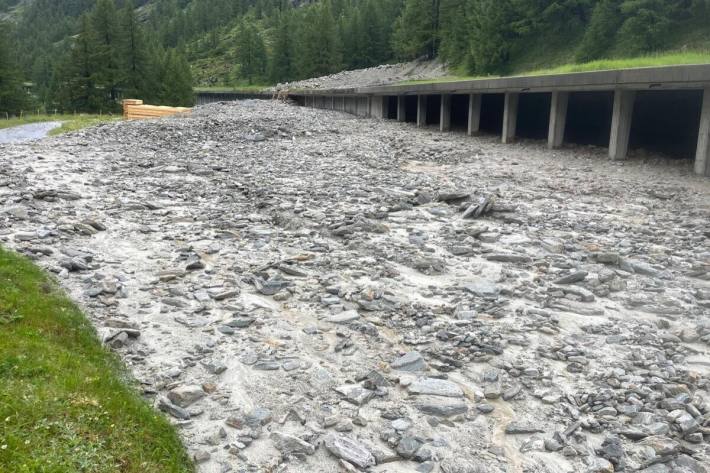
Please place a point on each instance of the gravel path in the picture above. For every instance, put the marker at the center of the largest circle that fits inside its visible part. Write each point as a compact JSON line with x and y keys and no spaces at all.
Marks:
{"x":305,"y":291}
{"x":30,"y":132}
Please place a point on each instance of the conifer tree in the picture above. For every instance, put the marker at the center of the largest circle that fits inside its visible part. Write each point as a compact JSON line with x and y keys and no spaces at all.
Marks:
{"x":251,"y":53}
{"x":176,"y":80}
{"x":281,"y":66}
{"x":416,"y":29}
{"x":79,"y":75}
{"x":12,"y":95}
{"x":138,"y":71}
{"x":104,"y":19}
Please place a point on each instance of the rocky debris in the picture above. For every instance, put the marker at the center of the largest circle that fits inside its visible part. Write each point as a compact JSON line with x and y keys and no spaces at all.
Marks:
{"x":379,"y":75}
{"x":270,"y":311}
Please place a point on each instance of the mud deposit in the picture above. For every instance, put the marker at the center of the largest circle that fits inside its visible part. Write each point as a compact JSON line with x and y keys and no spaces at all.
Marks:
{"x":304,"y":291}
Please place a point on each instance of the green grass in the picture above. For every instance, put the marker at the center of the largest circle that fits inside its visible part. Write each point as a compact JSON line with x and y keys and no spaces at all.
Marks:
{"x":656,"y":60}
{"x":246,"y":88}
{"x":69,"y":122}
{"x":65,"y":404}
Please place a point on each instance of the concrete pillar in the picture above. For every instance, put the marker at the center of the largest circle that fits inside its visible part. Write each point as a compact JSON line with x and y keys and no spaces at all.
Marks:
{"x":558,"y":119}
{"x":702,"y":154}
{"x":474,"y":113}
{"x":445,"y":113}
{"x":621,"y":123}
{"x":401,"y":108}
{"x":332,"y":102}
{"x":421,"y":110}
{"x":510,"y":116}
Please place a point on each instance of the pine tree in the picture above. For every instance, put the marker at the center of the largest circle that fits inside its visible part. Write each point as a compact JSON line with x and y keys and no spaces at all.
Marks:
{"x":281,"y":66}
{"x":416,"y":30}
{"x":251,"y":53}
{"x":491,"y":35}
{"x":454,"y":31}
{"x":104,"y":20}
{"x":137,"y":71}
{"x":176,"y":80}
{"x":601,"y":32}
{"x":12,"y":96}
{"x":319,"y":46}
{"x":79,"y":75}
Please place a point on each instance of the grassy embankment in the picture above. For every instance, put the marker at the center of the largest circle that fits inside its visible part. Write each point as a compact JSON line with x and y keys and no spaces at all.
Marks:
{"x":69,"y":122}
{"x":656,"y":60}
{"x":244,"y":88}
{"x":65,"y":405}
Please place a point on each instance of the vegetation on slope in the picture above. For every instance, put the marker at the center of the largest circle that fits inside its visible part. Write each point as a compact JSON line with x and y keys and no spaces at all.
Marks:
{"x":248,"y":42}
{"x":64,"y":402}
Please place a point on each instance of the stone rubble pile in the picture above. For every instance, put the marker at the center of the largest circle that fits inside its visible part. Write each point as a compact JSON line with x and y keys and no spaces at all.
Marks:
{"x":304,"y":291}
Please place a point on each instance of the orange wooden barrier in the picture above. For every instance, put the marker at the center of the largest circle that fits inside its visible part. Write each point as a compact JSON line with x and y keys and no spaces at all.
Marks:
{"x":134,"y":109}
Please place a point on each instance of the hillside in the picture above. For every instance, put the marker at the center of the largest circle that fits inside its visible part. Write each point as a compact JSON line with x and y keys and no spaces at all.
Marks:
{"x":248,"y":42}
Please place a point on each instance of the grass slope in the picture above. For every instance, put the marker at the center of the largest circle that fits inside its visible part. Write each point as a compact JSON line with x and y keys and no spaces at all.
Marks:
{"x":64,"y":402}
{"x":656,"y":60}
{"x":69,"y":122}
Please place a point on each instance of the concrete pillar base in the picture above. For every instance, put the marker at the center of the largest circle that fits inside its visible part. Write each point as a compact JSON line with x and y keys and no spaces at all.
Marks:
{"x":401,"y":108}
{"x":510,"y":116}
{"x":445,"y":113}
{"x":474,"y":114}
{"x":421,"y":110}
{"x":558,"y":119}
{"x":621,"y":124}
{"x":702,"y":154}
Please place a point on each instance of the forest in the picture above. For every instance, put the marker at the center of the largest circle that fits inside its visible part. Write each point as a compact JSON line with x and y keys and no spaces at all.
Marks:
{"x":85,"y":54}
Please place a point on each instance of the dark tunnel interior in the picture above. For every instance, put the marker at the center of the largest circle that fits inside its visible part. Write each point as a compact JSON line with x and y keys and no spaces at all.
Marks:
{"x":433,"y":109}
{"x":410,"y":108}
{"x":459,"y":112}
{"x":589,"y":118}
{"x":667,"y":122}
{"x":391,"y":107}
{"x":533,"y":115}
{"x":492,"y":113}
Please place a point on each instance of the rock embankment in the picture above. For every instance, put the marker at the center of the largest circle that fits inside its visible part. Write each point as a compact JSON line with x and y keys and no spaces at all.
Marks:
{"x":305,"y":291}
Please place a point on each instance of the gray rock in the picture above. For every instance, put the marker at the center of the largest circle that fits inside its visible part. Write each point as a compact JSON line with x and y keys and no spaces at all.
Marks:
{"x":291,"y":445}
{"x":412,"y":361}
{"x":349,"y":450}
{"x":435,"y":387}
{"x":178,"y":412}
{"x":258,"y":417}
{"x":517,"y":428}
{"x":407,"y":447}
{"x":440,"y":406}
{"x":344,"y":317}
{"x":482,"y":288}
{"x":355,"y":394}
{"x":184,"y":396}
{"x":572,"y":278}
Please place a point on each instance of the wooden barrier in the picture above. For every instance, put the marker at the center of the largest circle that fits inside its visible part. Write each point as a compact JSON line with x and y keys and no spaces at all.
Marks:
{"x":134,"y":109}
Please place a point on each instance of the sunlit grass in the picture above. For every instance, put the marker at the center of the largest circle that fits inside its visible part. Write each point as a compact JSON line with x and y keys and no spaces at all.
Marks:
{"x":65,"y":404}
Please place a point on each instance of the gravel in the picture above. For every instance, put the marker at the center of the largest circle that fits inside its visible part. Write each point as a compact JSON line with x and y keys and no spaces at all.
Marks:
{"x":313,"y":300}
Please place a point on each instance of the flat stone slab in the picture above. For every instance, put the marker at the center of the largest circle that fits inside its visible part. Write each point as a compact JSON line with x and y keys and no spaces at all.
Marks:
{"x":435,"y":387}
{"x":349,"y":450}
